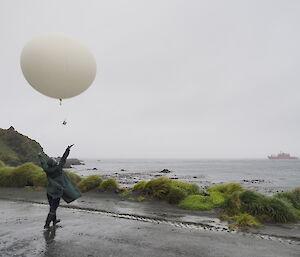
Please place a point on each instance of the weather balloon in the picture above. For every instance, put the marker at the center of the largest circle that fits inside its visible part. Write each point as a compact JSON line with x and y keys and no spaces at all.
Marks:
{"x":58,"y":65}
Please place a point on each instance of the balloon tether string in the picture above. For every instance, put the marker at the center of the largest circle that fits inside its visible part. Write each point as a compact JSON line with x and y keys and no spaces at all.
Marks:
{"x":65,"y":120}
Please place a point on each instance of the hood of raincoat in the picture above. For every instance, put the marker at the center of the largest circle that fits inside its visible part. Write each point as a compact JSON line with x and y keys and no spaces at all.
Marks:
{"x":51,"y":163}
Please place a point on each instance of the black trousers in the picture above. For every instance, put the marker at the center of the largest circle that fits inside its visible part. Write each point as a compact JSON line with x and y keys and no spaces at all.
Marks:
{"x":53,"y":203}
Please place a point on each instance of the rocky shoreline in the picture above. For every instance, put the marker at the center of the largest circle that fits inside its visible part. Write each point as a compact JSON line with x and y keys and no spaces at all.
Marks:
{"x":128,"y":179}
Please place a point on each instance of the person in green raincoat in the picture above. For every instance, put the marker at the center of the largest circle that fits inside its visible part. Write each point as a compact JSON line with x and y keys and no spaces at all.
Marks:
{"x":59,"y":185}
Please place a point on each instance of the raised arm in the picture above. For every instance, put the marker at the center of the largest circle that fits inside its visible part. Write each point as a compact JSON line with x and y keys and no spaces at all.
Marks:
{"x":64,"y":157}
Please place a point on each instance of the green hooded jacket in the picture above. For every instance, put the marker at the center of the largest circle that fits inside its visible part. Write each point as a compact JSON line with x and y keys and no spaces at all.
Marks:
{"x":59,"y":183}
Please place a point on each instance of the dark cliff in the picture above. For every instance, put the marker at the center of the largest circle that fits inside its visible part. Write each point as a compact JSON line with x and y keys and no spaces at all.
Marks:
{"x":16,"y":149}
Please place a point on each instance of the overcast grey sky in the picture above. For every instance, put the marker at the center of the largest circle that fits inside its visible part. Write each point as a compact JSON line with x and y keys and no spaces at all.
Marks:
{"x":189,"y":79}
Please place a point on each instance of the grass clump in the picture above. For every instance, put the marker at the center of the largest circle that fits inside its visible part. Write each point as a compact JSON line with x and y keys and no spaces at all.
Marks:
{"x":27,"y":174}
{"x":265,"y":208}
{"x":232,"y":204}
{"x":140,"y":199}
{"x":140,"y":186}
{"x":34,"y":188}
{"x":166,"y":189}
{"x":191,"y":189}
{"x":277,"y":209}
{"x":217,"y":196}
{"x":176,"y":193}
{"x":125,"y":193}
{"x":109,"y":185}
{"x":292,"y":197}
{"x":246,"y":220}
{"x":2,"y":164}
{"x":158,"y":188}
{"x":89,"y":183}
{"x":196,"y":202}
{"x":226,"y":189}
{"x":3,"y":173}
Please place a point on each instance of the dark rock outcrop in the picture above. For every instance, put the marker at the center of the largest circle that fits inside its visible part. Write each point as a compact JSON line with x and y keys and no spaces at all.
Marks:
{"x":70,"y":162}
{"x":165,"y":171}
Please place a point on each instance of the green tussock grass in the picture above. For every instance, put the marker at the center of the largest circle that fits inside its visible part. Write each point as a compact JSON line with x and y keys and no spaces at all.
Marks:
{"x":293,"y":197}
{"x":217,"y":195}
{"x":2,"y":164}
{"x":158,"y":188}
{"x":196,"y":202}
{"x":27,"y":175}
{"x":140,"y":199}
{"x":226,"y":189}
{"x":277,"y":209}
{"x":89,"y":183}
{"x":125,"y":192}
{"x":265,"y":208}
{"x":34,"y":188}
{"x":109,"y":185}
{"x":4,"y":170}
{"x":140,"y":186}
{"x":246,"y":220}
{"x":166,"y":189}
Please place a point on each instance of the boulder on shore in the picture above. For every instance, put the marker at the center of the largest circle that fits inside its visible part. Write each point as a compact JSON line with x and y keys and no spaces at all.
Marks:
{"x":165,"y":171}
{"x":70,"y":162}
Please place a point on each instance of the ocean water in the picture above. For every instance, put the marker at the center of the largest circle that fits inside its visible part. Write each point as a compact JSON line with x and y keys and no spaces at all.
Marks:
{"x":268,"y":176}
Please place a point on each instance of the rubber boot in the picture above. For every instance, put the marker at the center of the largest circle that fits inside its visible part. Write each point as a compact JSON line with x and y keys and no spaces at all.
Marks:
{"x":55,"y":221}
{"x":48,"y":221}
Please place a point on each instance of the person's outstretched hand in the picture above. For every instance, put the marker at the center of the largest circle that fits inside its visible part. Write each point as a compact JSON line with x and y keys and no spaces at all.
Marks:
{"x":69,"y":146}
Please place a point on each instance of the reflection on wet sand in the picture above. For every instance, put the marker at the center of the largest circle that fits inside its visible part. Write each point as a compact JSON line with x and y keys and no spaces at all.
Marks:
{"x":49,"y":236}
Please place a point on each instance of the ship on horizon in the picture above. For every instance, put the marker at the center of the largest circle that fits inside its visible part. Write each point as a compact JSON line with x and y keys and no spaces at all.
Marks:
{"x":282,"y":156}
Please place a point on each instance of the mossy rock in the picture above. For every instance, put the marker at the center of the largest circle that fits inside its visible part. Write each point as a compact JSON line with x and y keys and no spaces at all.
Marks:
{"x":109,"y":185}
{"x":89,"y":183}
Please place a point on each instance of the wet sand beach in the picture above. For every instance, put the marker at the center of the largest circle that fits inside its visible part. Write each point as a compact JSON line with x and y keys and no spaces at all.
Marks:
{"x":105,"y":225}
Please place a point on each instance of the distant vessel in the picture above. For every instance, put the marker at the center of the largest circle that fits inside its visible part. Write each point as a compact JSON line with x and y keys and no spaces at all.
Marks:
{"x":282,"y":156}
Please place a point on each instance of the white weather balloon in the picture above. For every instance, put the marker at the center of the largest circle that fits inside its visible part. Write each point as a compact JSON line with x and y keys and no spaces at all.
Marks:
{"x":58,"y":65}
